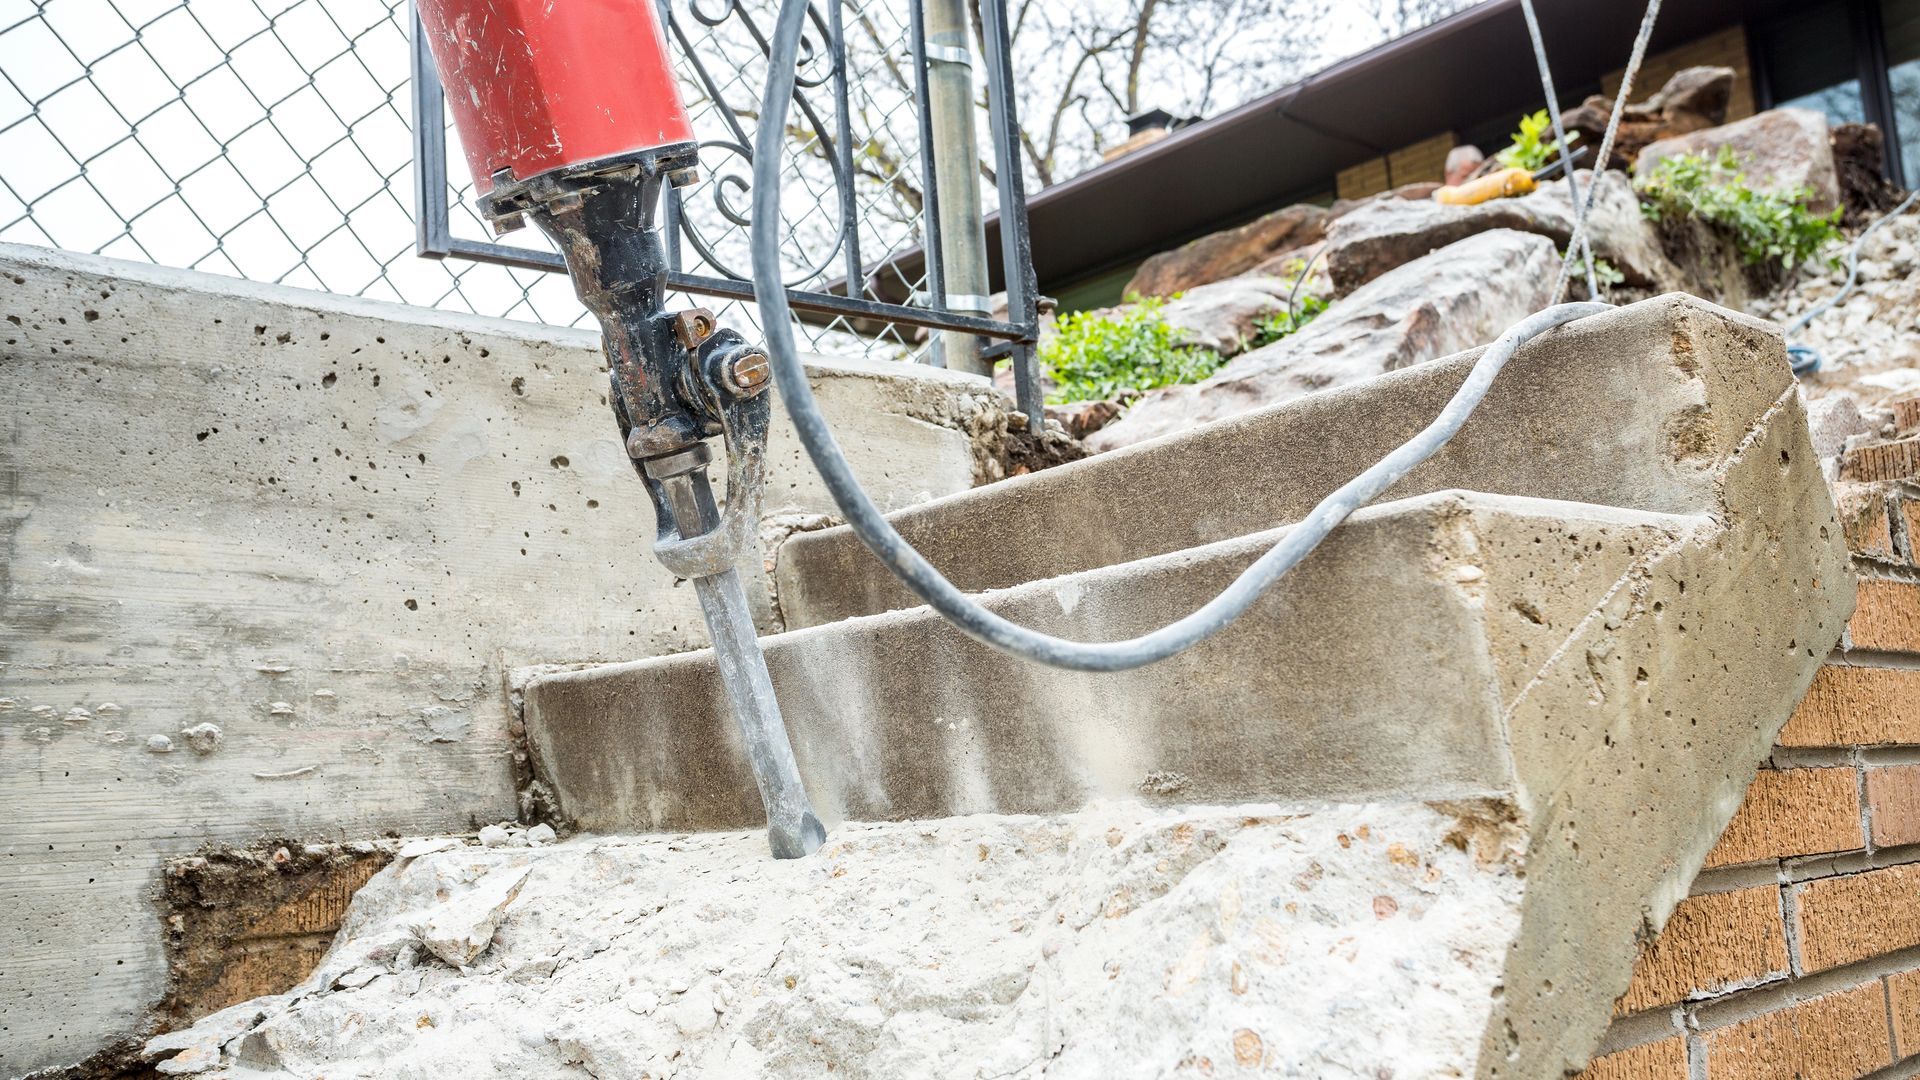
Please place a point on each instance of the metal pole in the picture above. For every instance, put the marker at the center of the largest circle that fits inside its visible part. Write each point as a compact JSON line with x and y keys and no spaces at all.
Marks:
{"x":963,"y":231}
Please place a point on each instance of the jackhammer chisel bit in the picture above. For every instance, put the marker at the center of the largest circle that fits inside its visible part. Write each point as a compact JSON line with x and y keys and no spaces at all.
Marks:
{"x":570,"y":116}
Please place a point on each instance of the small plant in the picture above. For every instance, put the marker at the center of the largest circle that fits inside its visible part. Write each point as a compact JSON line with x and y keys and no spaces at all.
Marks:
{"x":1100,"y":355}
{"x":1765,"y":227}
{"x":1273,"y":327}
{"x":1605,"y":274}
{"x":1534,"y":147}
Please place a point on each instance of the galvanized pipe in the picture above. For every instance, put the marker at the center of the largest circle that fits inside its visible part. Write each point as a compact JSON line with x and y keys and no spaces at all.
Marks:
{"x":963,"y":229}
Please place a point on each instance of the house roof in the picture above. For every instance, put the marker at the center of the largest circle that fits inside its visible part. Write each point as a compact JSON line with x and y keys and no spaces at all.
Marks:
{"x":1463,"y":70}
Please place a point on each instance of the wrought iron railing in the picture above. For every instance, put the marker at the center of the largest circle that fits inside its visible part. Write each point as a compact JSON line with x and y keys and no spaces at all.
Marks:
{"x":830,"y":285}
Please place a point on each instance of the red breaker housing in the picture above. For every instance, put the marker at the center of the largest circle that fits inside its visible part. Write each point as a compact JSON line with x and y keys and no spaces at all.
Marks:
{"x":540,"y":85}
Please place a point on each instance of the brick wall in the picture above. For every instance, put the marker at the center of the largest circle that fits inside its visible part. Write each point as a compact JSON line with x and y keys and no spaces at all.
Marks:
{"x":1422,"y":162}
{"x":1798,"y":953}
{"x":1727,"y":48}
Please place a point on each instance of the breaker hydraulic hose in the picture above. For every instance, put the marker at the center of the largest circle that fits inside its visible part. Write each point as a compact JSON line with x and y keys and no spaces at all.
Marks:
{"x":915,"y":572}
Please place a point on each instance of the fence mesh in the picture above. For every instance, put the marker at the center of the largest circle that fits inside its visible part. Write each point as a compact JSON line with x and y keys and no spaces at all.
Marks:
{"x":272,"y":140}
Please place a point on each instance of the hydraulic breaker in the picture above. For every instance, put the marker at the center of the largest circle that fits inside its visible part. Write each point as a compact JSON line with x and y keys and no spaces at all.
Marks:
{"x":570,"y":117}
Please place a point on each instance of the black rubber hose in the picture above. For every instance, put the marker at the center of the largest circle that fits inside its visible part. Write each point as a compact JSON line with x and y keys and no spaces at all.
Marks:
{"x":915,"y":572}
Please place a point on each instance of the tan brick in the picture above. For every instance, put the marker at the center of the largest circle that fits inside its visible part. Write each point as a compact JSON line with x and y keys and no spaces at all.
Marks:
{"x":1893,"y":803}
{"x":1863,"y":520}
{"x":1663,"y":1060}
{"x":1843,"y":919}
{"x":1792,"y":812}
{"x":1903,"y":997}
{"x":1910,"y":510}
{"x":1857,"y":706}
{"x":1887,"y":617}
{"x":1838,"y":1036}
{"x":1906,"y":416}
{"x":1882,"y":461}
{"x":1711,"y":943}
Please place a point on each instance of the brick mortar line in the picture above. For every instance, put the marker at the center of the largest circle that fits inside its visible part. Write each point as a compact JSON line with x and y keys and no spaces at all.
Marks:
{"x":1642,"y":1029}
{"x":1866,"y":813}
{"x":1696,"y":1058}
{"x":1899,"y":1070}
{"x":1714,"y":1014}
{"x":1886,"y":999}
{"x":1879,"y":568}
{"x":1802,"y":869}
{"x":1783,"y":899}
{"x":1726,"y":879}
{"x":1873,"y":569}
{"x":1874,"y":658}
{"x":1788,"y":758}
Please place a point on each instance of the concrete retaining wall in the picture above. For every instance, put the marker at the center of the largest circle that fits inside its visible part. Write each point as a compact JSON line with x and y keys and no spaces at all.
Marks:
{"x":325,"y":527}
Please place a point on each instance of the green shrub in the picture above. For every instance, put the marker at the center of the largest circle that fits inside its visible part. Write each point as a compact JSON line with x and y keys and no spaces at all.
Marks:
{"x":1534,"y":147}
{"x":1765,"y":227}
{"x":1097,"y":355}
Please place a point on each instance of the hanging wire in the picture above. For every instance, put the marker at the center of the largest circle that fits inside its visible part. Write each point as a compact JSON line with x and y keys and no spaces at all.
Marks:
{"x":1600,"y":157}
{"x":1560,"y":138}
{"x":919,"y":576}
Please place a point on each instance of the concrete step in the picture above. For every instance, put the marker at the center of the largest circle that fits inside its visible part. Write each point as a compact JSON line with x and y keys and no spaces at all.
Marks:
{"x":1629,"y":408}
{"x":1594,"y":644}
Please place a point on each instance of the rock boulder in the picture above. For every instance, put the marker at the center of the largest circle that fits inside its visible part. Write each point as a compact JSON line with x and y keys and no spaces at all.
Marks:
{"x":1455,"y":299}
{"x":1229,"y":252}
{"x":1782,"y":150}
{"x":1390,"y":233}
{"x":1225,"y":315}
{"x":1693,"y":99}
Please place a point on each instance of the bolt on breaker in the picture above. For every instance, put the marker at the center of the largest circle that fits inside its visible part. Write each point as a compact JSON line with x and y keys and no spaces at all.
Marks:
{"x":570,"y":117}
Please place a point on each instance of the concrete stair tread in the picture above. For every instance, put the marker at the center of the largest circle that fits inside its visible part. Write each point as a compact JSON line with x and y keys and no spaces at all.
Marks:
{"x":956,"y":727}
{"x":1588,"y":617}
{"x":1610,"y":410}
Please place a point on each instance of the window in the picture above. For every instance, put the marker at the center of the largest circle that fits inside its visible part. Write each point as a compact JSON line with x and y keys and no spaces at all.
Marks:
{"x":1811,"y":64}
{"x":1857,"y":61}
{"x":1901,"y":19}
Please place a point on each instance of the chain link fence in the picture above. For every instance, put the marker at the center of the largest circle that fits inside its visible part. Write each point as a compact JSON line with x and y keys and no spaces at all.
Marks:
{"x":272,"y":140}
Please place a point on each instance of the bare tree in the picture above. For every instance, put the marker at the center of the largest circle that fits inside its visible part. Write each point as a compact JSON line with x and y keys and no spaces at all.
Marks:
{"x":1086,"y":67}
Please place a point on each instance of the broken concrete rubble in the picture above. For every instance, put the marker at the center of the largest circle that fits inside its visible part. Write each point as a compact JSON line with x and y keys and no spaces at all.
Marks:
{"x":1115,"y":941}
{"x":1549,"y":673}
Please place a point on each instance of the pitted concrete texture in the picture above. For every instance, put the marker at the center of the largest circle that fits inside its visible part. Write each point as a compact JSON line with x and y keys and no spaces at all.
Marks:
{"x":1613,"y":668}
{"x":1329,"y":942}
{"x":1614,"y":409}
{"x":267,"y":553}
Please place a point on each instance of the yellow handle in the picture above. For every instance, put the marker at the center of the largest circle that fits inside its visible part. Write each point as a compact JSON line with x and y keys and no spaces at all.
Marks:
{"x":1504,"y":184}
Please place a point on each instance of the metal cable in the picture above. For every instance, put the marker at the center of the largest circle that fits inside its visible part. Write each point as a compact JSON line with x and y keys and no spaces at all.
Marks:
{"x":1560,"y":140}
{"x":1600,"y":156}
{"x":1853,"y":267}
{"x":870,"y":524}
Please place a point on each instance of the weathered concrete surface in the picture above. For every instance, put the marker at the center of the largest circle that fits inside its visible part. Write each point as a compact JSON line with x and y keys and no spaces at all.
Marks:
{"x":1608,"y":410}
{"x":900,"y":716}
{"x":1456,"y":298}
{"x":1346,"y":941}
{"x":323,"y":527}
{"x":1613,"y":674}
